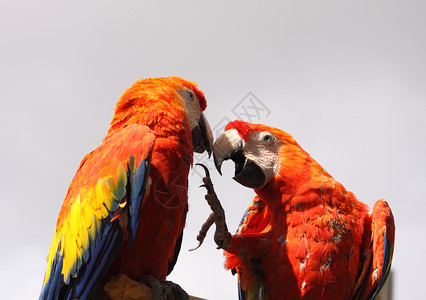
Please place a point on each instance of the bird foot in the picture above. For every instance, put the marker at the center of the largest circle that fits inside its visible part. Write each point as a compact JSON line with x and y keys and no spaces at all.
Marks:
{"x":203,"y":231}
{"x":218,"y":215}
{"x":163,"y":289}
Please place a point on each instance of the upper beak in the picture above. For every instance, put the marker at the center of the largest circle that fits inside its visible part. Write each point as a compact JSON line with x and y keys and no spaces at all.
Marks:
{"x":229,"y":145}
{"x":202,"y":137}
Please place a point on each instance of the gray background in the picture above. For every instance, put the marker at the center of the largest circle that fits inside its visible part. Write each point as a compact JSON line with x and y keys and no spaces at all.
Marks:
{"x":345,"y":78}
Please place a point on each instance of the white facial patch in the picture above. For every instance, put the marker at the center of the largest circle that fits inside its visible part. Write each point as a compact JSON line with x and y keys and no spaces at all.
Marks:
{"x":192,"y":105}
{"x":262,"y":148}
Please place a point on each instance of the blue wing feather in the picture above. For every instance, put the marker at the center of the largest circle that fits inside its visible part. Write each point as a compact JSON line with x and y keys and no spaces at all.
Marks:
{"x":52,"y":290}
{"x":99,"y":261}
{"x":387,"y":260}
{"x":137,"y":193}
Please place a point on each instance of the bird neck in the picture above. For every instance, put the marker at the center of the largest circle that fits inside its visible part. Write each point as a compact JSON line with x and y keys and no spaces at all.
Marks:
{"x":296,"y":186}
{"x":164,"y":118}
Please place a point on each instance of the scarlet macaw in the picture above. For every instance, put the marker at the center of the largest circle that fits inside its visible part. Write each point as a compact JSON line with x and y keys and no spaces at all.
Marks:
{"x":304,"y":236}
{"x":125,"y":209}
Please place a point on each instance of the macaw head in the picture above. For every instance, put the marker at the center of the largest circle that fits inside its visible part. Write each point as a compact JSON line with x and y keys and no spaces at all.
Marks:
{"x":164,"y":104}
{"x":260,"y":153}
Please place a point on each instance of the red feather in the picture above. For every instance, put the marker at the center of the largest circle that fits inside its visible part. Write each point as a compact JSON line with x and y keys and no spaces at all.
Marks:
{"x":125,"y":209}
{"x":305,"y":236}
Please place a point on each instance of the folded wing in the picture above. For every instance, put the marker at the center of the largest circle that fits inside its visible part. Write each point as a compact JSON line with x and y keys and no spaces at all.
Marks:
{"x":100,"y":209}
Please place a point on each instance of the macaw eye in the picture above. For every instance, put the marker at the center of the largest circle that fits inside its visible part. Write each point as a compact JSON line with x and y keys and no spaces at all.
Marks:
{"x":266,"y":138}
{"x":190,"y":94}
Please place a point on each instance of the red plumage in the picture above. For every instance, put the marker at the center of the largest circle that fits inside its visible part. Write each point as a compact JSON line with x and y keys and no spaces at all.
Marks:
{"x":125,"y":210}
{"x":304,"y":235}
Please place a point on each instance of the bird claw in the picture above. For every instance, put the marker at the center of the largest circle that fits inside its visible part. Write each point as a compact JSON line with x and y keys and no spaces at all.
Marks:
{"x":217,"y":216}
{"x":195,"y":248}
{"x":203,"y":231}
{"x":205,"y":169}
{"x":163,"y":289}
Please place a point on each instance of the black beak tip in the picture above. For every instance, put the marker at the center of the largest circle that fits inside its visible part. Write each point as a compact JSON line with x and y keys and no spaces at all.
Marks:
{"x":200,"y":140}
{"x":219,"y":171}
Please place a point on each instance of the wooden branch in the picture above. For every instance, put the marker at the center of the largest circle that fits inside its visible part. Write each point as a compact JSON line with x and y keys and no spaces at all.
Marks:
{"x":124,"y":288}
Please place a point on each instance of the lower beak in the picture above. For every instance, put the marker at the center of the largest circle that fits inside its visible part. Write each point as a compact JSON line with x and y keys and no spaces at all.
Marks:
{"x":230,"y":145}
{"x":202,"y":137}
{"x":250,"y":175}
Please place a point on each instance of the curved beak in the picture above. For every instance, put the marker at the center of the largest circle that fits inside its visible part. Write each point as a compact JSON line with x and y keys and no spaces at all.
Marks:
{"x":229,"y":145}
{"x":202,"y":137}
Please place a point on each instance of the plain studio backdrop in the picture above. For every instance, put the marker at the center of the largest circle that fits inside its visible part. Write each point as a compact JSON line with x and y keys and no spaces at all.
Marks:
{"x":346,"y":78}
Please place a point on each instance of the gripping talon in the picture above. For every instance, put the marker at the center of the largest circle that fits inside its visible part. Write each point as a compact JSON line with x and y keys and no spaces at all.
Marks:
{"x":205,"y":169}
{"x":209,"y":190}
{"x":195,"y":248}
{"x":203,"y":231}
{"x":217,"y":216}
